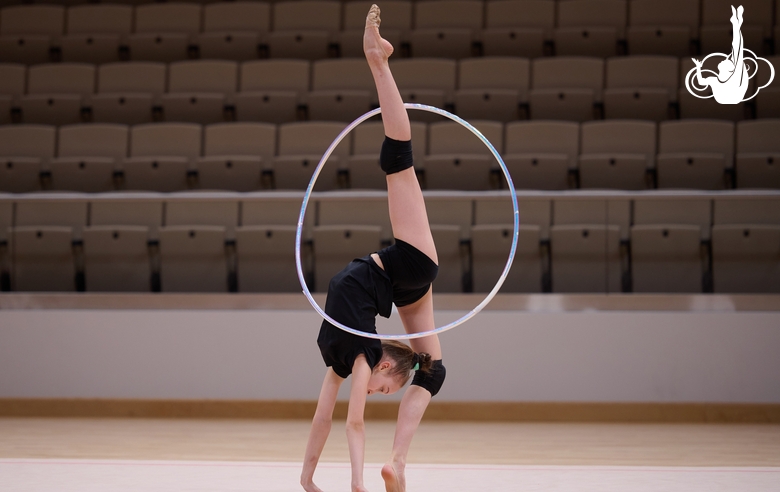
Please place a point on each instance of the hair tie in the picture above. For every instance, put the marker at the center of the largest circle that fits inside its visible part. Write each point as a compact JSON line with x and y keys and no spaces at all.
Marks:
{"x":416,"y":362}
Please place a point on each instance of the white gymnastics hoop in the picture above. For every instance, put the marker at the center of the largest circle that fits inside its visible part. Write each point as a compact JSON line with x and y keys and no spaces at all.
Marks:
{"x":307,"y":196}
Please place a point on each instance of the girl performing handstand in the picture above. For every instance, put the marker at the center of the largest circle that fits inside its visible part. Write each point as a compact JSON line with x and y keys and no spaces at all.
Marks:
{"x":400,"y":274}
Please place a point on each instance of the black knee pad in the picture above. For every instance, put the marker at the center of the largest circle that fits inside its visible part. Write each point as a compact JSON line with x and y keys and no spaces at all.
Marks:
{"x":432,"y":380}
{"x":396,"y":155}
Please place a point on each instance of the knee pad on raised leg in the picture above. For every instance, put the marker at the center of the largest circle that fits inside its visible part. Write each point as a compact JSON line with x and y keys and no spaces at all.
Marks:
{"x":432,"y":380}
{"x":396,"y":155}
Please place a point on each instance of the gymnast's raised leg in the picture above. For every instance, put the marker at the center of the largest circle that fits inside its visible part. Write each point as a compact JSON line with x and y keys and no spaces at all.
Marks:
{"x":409,"y":220}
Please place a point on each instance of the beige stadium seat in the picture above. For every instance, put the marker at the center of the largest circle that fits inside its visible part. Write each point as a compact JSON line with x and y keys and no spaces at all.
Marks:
{"x":90,"y":48}
{"x":517,"y":27}
{"x":336,"y":246}
{"x":362,"y":211}
{"x":617,"y":154}
{"x":192,"y":259}
{"x":449,"y":13}
{"x":266,"y":259}
{"x":585,"y":258}
{"x":566,"y":88}
{"x":87,"y":155}
{"x":5,"y":109}
{"x":687,"y":210}
{"x":270,"y":90}
{"x":616,"y":212}
{"x":160,"y":155}
{"x":540,"y":154}
{"x":746,"y":258}
{"x":448,"y":137}
{"x":32,"y":19}
{"x":144,"y":210}
{"x":768,"y":99}
{"x":6,"y":221}
{"x":590,"y":27}
{"x":641,"y":87}
{"x":666,"y":258}
{"x":441,"y":42}
{"x":116,"y":259}
{"x":746,"y":210}
{"x":758,"y":154}
{"x":450,"y":276}
{"x":338,"y":105}
{"x":28,"y":49}
{"x":492,"y":88}
{"x":490,"y":246}
{"x":275,"y":208}
{"x":127,"y":90}
{"x":162,"y":31}
{"x":444,"y":209}
{"x":23,"y":148}
{"x":43,"y":259}
{"x":94,"y":31}
{"x":197,"y":90}
{"x":458,"y":160}
{"x":232,"y":30}
{"x":55,"y":92}
{"x":695,"y":153}
{"x":300,"y":148}
{"x":307,"y":14}
{"x":662,"y":27}
{"x":716,"y":27}
{"x":60,"y":212}
{"x":300,"y":44}
{"x":343,"y":89}
{"x":234,"y":155}
{"x":496,"y":209}
{"x":194,"y":210}
{"x":13,"y":79}
{"x":236,"y":46}
{"x":426,"y":81}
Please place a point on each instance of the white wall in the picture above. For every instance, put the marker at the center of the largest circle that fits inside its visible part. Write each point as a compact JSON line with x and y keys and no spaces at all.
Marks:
{"x":498,"y":356}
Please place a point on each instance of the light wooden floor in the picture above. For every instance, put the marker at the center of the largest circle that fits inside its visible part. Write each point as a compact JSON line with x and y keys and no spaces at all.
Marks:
{"x":436,"y":442}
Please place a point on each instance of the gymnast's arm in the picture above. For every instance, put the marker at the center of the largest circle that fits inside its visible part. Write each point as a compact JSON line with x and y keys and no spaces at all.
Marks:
{"x":701,"y":80}
{"x":320,"y":428}
{"x":356,"y":429}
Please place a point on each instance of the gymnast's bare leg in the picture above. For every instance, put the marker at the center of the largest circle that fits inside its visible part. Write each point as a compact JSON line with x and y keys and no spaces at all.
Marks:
{"x":409,"y":220}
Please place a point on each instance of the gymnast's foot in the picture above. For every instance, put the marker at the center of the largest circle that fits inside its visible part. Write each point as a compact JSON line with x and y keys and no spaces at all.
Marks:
{"x":394,"y":478}
{"x":377,"y":50}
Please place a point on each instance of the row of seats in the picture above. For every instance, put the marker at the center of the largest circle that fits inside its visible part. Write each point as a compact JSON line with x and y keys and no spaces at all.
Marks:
{"x":311,"y":29}
{"x":640,"y":243}
{"x":548,"y":155}
{"x":495,"y":88}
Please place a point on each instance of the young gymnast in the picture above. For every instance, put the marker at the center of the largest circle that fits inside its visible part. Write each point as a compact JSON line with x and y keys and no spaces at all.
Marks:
{"x":400,"y":274}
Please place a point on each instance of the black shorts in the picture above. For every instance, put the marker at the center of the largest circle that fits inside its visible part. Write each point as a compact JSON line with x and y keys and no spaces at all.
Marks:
{"x":410,"y":270}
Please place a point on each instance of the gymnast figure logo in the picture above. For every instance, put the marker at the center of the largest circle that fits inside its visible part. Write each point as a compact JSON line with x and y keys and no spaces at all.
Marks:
{"x":730,"y":84}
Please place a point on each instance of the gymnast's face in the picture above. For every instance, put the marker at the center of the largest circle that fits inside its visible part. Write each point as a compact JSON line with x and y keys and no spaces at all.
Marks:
{"x":381,"y":382}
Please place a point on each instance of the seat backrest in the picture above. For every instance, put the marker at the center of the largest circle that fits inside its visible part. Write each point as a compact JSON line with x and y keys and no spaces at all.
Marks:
{"x":132,"y":77}
{"x":342,"y":74}
{"x":612,"y":13}
{"x":146,"y":211}
{"x":168,"y":17}
{"x":497,"y":210}
{"x":448,"y":137}
{"x":694,"y":211}
{"x":165,"y":139}
{"x":237,"y":16}
{"x":362,"y":211}
{"x":758,"y":136}
{"x":203,"y":76}
{"x":424,"y":73}
{"x":203,"y":211}
{"x":697,"y":136}
{"x":240,"y":139}
{"x":495,"y":73}
{"x":449,"y":13}
{"x":664,"y":13}
{"x":520,"y":13}
{"x":13,"y":78}
{"x":94,"y":139}
{"x":311,"y":137}
{"x":619,"y":137}
{"x":601,"y":211}
{"x":544,"y":137}
{"x":95,"y":19}
{"x":643,"y":71}
{"x":307,"y":14}
{"x":32,"y":19}
{"x":27,"y":141}
{"x":568,"y":72}
{"x":396,"y":14}
{"x":61,"y":78}
{"x":67,"y":212}
{"x":747,"y":210}
{"x":718,"y":12}
{"x":278,"y":75}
